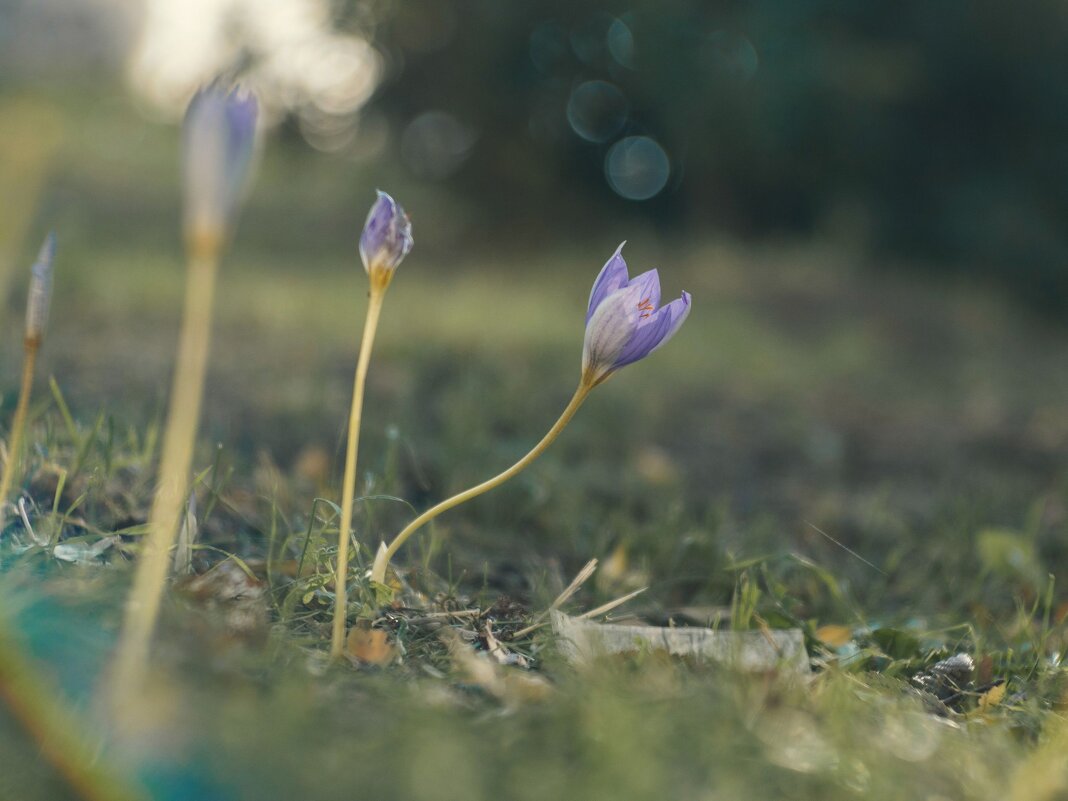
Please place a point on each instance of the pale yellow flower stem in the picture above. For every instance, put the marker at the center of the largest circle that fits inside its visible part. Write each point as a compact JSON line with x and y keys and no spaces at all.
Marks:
{"x":384,"y":555}
{"x":348,"y":488}
{"x":18,"y":422}
{"x":183,"y":415}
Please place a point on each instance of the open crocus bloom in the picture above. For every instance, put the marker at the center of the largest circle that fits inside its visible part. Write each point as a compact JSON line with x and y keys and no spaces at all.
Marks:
{"x":219,"y":135}
{"x":623,"y":322}
{"x":386,"y":238}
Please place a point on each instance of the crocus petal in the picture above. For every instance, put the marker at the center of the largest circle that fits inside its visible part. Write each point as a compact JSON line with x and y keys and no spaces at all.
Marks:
{"x":654,"y":331}
{"x":241,"y":112}
{"x":649,"y":294}
{"x":613,"y":276}
{"x":624,"y":324}
{"x":387,"y":235}
{"x":218,"y":138}
{"x":608,"y":331}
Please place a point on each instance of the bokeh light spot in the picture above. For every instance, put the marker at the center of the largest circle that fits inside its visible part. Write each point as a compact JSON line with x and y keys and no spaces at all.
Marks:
{"x":637,"y":167}
{"x":590,"y":37}
{"x":597,"y":110}
{"x":732,"y":54}
{"x":621,"y":43}
{"x":548,"y":47}
{"x":435,"y":144}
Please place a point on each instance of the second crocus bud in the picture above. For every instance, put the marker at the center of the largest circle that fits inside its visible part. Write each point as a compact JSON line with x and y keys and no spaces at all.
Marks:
{"x":385,"y":241}
{"x":218,"y":138}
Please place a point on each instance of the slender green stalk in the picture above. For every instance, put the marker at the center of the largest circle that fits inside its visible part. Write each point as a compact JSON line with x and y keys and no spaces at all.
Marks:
{"x":348,"y":488}
{"x":18,"y":422}
{"x":382,"y":559}
{"x":142,"y":608}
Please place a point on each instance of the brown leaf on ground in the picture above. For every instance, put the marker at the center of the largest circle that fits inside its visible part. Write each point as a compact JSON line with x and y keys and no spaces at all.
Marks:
{"x":834,"y":636}
{"x":991,"y":698}
{"x":233,"y":592}
{"x":370,"y":646}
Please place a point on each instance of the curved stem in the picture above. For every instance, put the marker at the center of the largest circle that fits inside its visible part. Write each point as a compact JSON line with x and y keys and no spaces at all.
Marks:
{"x":183,"y":416}
{"x":18,"y":422}
{"x":348,"y":490}
{"x":384,"y":555}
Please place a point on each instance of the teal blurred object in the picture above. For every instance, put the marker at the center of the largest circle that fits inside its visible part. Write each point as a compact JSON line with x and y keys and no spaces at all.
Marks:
{"x":51,"y":749}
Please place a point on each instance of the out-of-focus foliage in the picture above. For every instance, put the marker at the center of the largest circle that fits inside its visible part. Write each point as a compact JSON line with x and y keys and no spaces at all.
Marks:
{"x":918,"y":128}
{"x":925,"y":129}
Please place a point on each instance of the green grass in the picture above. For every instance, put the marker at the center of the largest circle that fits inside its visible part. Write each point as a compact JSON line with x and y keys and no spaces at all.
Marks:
{"x":921,"y":426}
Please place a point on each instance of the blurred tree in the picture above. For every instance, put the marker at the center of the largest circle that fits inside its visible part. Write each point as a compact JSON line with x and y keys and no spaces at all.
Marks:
{"x":922,"y":128}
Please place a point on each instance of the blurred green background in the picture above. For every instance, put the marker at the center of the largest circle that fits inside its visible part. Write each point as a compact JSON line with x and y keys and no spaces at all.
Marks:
{"x":934,"y":131}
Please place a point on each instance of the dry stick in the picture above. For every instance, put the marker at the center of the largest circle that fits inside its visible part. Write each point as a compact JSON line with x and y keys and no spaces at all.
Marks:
{"x":576,"y":584}
{"x":374,"y":308}
{"x":604,"y":609}
{"x":183,"y":415}
{"x":18,"y":424}
{"x":383,"y":557}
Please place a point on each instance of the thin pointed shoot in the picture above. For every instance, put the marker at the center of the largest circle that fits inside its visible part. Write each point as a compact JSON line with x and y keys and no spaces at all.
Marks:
{"x":37,"y":303}
{"x":40,"y":295}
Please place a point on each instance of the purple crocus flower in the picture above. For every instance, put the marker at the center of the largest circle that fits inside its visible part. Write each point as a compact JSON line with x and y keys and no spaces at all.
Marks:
{"x":623,"y":321}
{"x":386,"y":238}
{"x":219,"y":135}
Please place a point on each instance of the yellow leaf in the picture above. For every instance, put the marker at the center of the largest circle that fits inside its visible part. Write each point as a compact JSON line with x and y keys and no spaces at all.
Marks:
{"x":992,"y":697}
{"x":370,"y":645}
{"x":834,"y":636}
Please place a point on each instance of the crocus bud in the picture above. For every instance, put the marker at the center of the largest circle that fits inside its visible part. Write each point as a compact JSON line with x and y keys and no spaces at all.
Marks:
{"x":219,"y":134}
{"x":386,"y":239}
{"x":40,"y":294}
{"x":623,"y":321}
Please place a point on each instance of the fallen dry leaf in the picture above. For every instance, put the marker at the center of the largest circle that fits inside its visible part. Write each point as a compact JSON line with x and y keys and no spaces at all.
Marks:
{"x":991,"y":698}
{"x":834,"y":636}
{"x":234,"y":593}
{"x":370,"y":646}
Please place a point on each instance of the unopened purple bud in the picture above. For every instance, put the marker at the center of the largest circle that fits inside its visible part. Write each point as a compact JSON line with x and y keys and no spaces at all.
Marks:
{"x":40,"y":294}
{"x":218,"y":139}
{"x":624,"y":320}
{"x":386,"y":238}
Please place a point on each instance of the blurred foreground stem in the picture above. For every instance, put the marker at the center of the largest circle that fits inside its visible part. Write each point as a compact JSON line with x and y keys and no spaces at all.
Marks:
{"x":142,"y":609}
{"x":385,"y":554}
{"x":348,"y":488}
{"x":18,"y":422}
